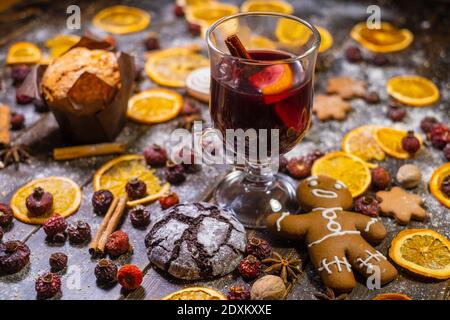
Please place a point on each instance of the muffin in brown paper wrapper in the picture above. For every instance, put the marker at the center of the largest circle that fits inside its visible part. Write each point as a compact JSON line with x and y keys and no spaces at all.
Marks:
{"x":92,"y":111}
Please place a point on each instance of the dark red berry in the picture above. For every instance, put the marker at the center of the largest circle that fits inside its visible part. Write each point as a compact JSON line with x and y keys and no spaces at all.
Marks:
{"x":136,"y":189}
{"x":410,"y":143}
{"x":259,"y":248}
{"x":6,"y":215}
{"x":117,"y":244}
{"x":239,"y":292}
{"x":39,"y":202}
{"x":79,"y":232}
{"x":105,"y":271}
{"x":187,"y":157}
{"x":367,"y":205}
{"x":59,"y":237}
{"x":169,"y":200}
{"x":55,"y":225}
{"x":381,"y":178}
{"x":48,"y":285}
{"x":22,"y":98}
{"x":40,"y":106}
{"x":58,"y":261}
{"x":440,"y":136}
{"x":194,"y":29}
{"x":282,"y":164}
{"x":250,"y":267}
{"x":299,"y":168}
{"x":130,"y":277}
{"x":428,"y":123}
{"x":174,"y":173}
{"x":17,"y":121}
{"x":19,"y":73}
{"x":445,"y":186}
{"x":155,"y":156}
{"x":313,"y":156}
{"x":139,"y":217}
{"x":353,"y":54}
{"x":101,"y":201}
{"x":446,"y":151}
{"x":396,"y":114}
{"x":190,"y":107}
{"x":152,"y":42}
{"x":14,"y":256}
{"x":372,"y":97}
{"x":178,"y":11}
{"x":2,"y":233}
{"x":380,"y":59}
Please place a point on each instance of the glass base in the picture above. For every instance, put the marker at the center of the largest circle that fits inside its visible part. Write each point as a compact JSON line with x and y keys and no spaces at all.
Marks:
{"x":253,"y":202}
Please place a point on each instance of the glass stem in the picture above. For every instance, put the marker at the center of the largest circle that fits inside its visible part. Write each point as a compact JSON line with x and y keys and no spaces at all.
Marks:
{"x":259,"y":175}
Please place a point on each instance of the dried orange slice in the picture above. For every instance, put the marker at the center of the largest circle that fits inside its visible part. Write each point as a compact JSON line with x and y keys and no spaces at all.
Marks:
{"x":66,"y":198}
{"x":61,"y":43}
{"x":392,"y":296}
{"x":260,"y":42}
{"x":267,"y":6}
{"x":115,"y":174}
{"x":292,"y":33}
{"x":436,"y":180}
{"x":413,"y":90}
{"x":184,"y":3}
{"x":154,"y":106}
{"x":361,"y":143}
{"x":23,"y":52}
{"x":345,"y":167}
{"x":208,"y":13}
{"x":390,"y":140}
{"x":196,"y":293}
{"x":170,"y":67}
{"x":385,"y":39}
{"x":326,"y":39}
{"x":422,"y":251}
{"x":121,"y":19}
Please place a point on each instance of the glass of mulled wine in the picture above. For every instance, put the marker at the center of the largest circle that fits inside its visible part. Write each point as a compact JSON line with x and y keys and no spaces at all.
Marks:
{"x":262,"y":73}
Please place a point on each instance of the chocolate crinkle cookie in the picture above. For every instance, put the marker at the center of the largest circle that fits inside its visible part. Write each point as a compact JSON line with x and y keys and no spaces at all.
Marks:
{"x":196,"y":241}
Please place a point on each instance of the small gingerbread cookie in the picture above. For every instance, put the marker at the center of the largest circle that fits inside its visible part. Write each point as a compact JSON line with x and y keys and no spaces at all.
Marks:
{"x":401,"y":205}
{"x":346,"y":87}
{"x":331,"y":107}
{"x":337,"y":239}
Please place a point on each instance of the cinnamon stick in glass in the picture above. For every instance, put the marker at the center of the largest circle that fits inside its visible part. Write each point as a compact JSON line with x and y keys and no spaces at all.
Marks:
{"x":236,"y":47}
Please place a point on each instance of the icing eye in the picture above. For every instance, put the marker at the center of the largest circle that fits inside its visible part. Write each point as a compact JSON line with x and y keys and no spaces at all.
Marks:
{"x":338,"y":186}
{"x":313,"y":183}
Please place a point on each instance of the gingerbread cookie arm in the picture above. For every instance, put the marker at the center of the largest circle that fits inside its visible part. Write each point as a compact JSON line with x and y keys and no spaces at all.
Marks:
{"x":371,"y":228}
{"x":293,"y":227}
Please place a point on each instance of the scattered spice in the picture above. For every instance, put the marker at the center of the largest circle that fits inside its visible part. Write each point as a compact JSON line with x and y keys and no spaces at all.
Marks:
{"x":58,"y":261}
{"x":446,"y":151}
{"x":187,"y":121}
{"x":48,"y":285}
{"x":14,"y":154}
{"x":39,"y":202}
{"x":287,"y":268}
{"x":268,"y":287}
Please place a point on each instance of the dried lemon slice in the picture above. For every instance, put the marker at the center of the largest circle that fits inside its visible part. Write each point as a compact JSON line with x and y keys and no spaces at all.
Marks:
{"x":326,"y":39}
{"x":345,"y":167}
{"x":413,"y":90}
{"x":267,"y":6}
{"x":23,"y":52}
{"x":170,"y":67}
{"x":196,"y":293}
{"x":206,"y":14}
{"x":154,"y":106}
{"x":436,"y":180}
{"x":390,"y":140}
{"x":66,"y":198}
{"x":121,"y":19}
{"x":61,"y":43}
{"x":361,"y":143}
{"x":115,"y":174}
{"x":385,"y":39}
{"x":422,"y":251}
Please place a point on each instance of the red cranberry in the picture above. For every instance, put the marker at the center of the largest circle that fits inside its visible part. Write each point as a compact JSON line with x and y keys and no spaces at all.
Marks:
{"x":129,"y":277}
{"x":14,"y":256}
{"x":169,"y":200}
{"x":178,"y":11}
{"x":445,"y":186}
{"x":188,"y":161}
{"x":381,"y":178}
{"x":155,"y":156}
{"x":353,"y":54}
{"x":440,"y":136}
{"x":367,"y":205}
{"x":19,"y":73}
{"x":48,"y":286}
{"x":23,"y":99}
{"x":372,"y":97}
{"x":410,"y":143}
{"x":174,"y":173}
{"x":105,"y":271}
{"x":250,"y":267}
{"x":79,"y":232}
{"x":6,"y":215}
{"x":17,"y":121}
{"x":259,"y":248}
{"x":299,"y":168}
{"x":190,"y":107}
{"x":427,"y":124}
{"x":101,"y":201}
{"x":380,"y":59}
{"x":54,"y":226}
{"x":58,"y":261}
{"x":117,"y":244}
{"x":139,"y":217}
{"x":136,"y":188}
{"x":39,"y":202}
{"x":239,"y":292}
{"x":447,"y":151}
{"x":152,"y":42}
{"x":396,"y":114}
{"x":194,"y":29}
{"x":282,"y":164}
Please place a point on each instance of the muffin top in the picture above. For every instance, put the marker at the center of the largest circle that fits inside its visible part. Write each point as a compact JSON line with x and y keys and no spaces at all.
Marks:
{"x":64,"y":71}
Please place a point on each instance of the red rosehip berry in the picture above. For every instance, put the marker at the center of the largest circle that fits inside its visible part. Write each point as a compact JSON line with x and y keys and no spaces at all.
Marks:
{"x":169,"y":200}
{"x":14,"y":256}
{"x":17,"y":121}
{"x":410,"y":143}
{"x":155,"y":156}
{"x":353,"y":54}
{"x":439,"y":136}
{"x":55,"y":226}
{"x":39,"y":202}
{"x":178,"y":11}
{"x":381,"y":178}
{"x":130,"y":277}
{"x":58,"y":261}
{"x":105,"y":271}
{"x":445,"y":186}
{"x":136,"y":188}
{"x":6,"y":215}
{"x":139,"y":217}
{"x":250,"y":267}
{"x":396,"y":114}
{"x":101,"y":201}
{"x":299,"y":168}
{"x":428,"y":123}
{"x":368,"y":206}
{"x":239,"y":292}
{"x":117,"y":244}
{"x":48,"y":285}
{"x":259,"y":248}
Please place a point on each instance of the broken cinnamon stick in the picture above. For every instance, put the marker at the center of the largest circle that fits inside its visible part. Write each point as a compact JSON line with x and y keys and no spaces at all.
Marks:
{"x":94,"y":244}
{"x":5,"y":114}
{"x":112,"y":224}
{"x":236,"y":47}
{"x":91,"y":150}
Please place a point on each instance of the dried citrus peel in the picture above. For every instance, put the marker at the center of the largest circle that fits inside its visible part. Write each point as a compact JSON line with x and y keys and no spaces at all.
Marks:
{"x":23,"y":52}
{"x":413,"y":90}
{"x":195,"y":293}
{"x":121,"y":19}
{"x":435,"y":183}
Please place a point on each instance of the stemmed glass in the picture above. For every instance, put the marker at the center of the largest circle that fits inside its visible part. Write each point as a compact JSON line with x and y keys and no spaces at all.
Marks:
{"x":261,"y":101}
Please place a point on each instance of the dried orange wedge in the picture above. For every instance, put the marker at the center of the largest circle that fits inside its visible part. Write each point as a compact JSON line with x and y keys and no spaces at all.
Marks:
{"x":66,"y":198}
{"x":115,"y":174}
{"x":413,"y":90}
{"x":387,"y":38}
{"x":344,"y":167}
{"x":292,"y":33}
{"x":361,"y":143}
{"x":23,"y":52}
{"x":436,"y":180}
{"x":260,"y":42}
{"x":170,"y":67}
{"x":273,"y":79}
{"x":422,"y":251}
{"x":184,"y":3}
{"x":208,"y":13}
{"x":61,"y":43}
{"x":392,"y":296}
{"x":326,"y":39}
{"x":390,"y":140}
{"x":267,"y":6}
{"x":196,"y":293}
{"x":121,"y":19}
{"x":154,"y":106}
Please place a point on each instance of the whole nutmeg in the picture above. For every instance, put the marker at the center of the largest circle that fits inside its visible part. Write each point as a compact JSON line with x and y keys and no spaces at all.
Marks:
{"x":409,"y":176}
{"x":269,"y":287}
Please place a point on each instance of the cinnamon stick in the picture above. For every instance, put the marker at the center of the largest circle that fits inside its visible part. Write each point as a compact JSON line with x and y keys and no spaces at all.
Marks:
{"x":112,"y":224}
{"x":94,"y":244}
{"x":236,"y":47}
{"x":75,"y":152}
{"x":5,"y":114}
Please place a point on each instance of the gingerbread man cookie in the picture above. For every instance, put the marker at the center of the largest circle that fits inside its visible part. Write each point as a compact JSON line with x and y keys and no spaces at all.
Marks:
{"x":401,"y":205}
{"x":346,"y":87}
{"x":336,"y":238}
{"x":331,"y":107}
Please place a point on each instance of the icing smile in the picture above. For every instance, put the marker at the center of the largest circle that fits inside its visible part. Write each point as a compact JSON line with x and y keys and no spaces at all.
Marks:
{"x":324,"y":193}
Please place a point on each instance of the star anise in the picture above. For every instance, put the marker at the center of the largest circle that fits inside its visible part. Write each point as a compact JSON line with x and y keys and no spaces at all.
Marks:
{"x":287,"y":268}
{"x":330,"y":295}
{"x":13,"y":154}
